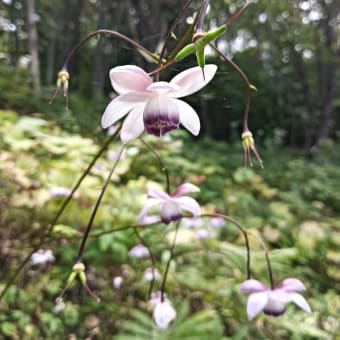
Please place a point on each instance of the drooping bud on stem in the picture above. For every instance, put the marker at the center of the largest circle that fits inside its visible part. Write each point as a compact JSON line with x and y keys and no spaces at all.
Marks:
{"x":62,"y":82}
{"x":248,"y":144}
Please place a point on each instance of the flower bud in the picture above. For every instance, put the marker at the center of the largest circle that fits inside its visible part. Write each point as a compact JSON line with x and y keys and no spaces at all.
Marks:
{"x":248,"y":144}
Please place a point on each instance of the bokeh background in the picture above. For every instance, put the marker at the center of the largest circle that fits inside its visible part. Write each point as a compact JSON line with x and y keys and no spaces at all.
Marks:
{"x":290,"y":50}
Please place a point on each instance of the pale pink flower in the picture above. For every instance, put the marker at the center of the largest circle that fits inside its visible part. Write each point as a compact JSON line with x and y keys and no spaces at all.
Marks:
{"x":163,"y":313}
{"x":170,"y":206}
{"x":273,"y":301}
{"x":217,"y":222}
{"x":154,"y":106}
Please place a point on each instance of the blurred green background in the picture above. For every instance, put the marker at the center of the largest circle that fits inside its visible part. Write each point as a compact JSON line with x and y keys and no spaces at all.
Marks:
{"x":290,"y":52}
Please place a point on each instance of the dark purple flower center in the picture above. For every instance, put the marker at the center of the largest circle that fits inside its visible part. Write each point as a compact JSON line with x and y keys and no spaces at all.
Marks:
{"x":160,"y":116}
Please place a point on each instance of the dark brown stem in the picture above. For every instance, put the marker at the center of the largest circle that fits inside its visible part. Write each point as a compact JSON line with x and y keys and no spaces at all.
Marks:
{"x":168,"y":263}
{"x":246,"y":81}
{"x":201,"y":15}
{"x":168,"y":36}
{"x":236,"y":15}
{"x":109,"y":32}
{"x":244,"y":233}
{"x":94,"y":212}
{"x":161,"y":162}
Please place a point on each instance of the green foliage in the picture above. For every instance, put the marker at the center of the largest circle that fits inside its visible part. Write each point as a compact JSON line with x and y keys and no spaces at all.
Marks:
{"x":293,"y":203}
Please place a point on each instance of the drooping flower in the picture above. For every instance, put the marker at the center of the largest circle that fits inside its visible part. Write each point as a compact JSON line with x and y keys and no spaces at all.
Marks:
{"x":163,"y":313}
{"x":170,"y":206}
{"x":59,"y":305}
{"x":273,"y":301}
{"x":117,"y":282}
{"x":139,"y":252}
{"x":154,"y":106}
{"x":42,"y":257}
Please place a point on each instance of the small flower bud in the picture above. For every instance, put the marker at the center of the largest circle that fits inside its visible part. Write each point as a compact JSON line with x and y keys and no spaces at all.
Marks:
{"x":248,"y":144}
{"x":62,"y":81}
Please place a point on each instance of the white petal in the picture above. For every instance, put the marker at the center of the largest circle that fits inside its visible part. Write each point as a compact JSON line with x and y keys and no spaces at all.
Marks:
{"x":188,"y":117}
{"x":161,"y":195}
{"x":129,"y":78}
{"x":143,"y":217}
{"x":120,"y":106}
{"x":133,"y":125}
{"x":188,"y":204}
{"x":291,"y":284}
{"x":252,"y":286}
{"x":185,"y":188}
{"x":164,"y":314}
{"x":300,"y":301}
{"x":256,"y":303}
{"x":191,"y":80}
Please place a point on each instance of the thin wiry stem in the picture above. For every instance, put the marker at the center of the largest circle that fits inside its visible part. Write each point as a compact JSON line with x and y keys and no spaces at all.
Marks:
{"x":246,"y":81}
{"x":94,"y":212}
{"x":161,"y":162}
{"x":170,"y":32}
{"x":57,"y":216}
{"x":112,"y":33}
{"x":201,"y":15}
{"x":266,"y":252}
{"x":152,"y":257}
{"x":168,"y":263}
{"x":236,"y":15}
{"x":244,"y":233}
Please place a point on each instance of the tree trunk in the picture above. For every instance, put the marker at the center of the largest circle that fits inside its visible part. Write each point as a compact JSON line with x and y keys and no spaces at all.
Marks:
{"x":33,"y":46}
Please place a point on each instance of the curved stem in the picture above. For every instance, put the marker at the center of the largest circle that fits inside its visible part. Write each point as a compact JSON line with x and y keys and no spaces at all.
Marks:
{"x":244,"y":233}
{"x":266,"y":253}
{"x":168,"y":263}
{"x":109,"y":32}
{"x":95,"y":209}
{"x":57,"y":216}
{"x":246,"y":81}
{"x":163,"y":166}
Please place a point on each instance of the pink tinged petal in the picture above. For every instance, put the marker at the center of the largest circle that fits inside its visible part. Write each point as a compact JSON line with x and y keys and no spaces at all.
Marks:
{"x":188,"y":117}
{"x":274,"y":307}
{"x":129,"y":78}
{"x":133,"y":124}
{"x":185,"y":188}
{"x":159,"y":194}
{"x":299,"y":300}
{"x":252,"y":286}
{"x":170,"y":211}
{"x":191,"y":80}
{"x":188,"y":204}
{"x":143,"y":217}
{"x":292,"y":285}
{"x":161,"y":115}
{"x":120,"y":106}
{"x":256,"y":303}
